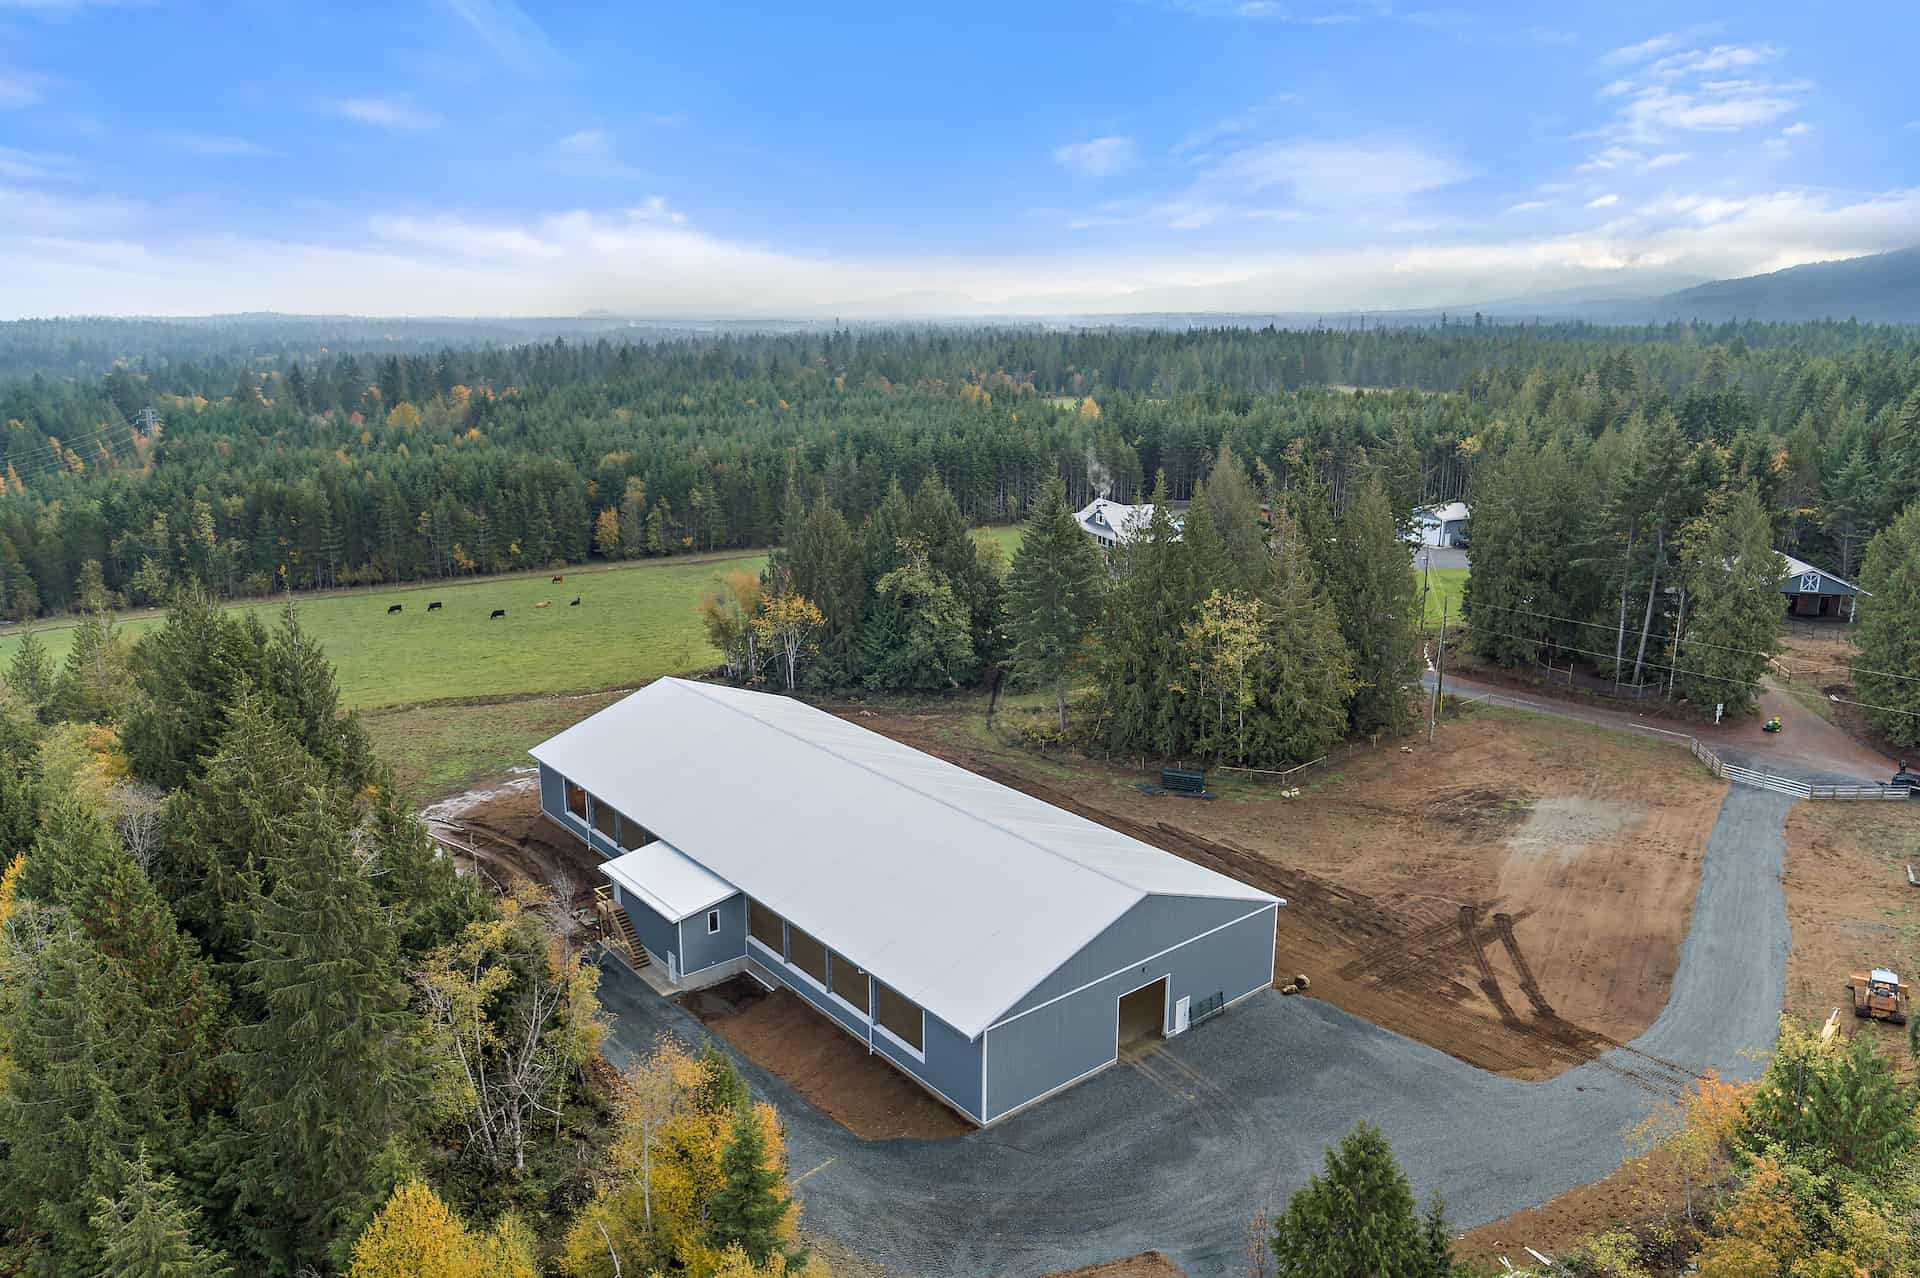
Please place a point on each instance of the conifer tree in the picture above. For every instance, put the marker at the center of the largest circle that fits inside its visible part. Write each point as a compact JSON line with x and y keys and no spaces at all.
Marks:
{"x":20,"y":780}
{"x":1377,"y":615}
{"x":1140,"y":634}
{"x":224,"y":827}
{"x":79,"y":865}
{"x":917,"y":633}
{"x":1731,"y":574}
{"x":306,"y":696}
{"x":1888,"y":634}
{"x":1054,"y":593}
{"x":92,"y":687}
{"x":324,"y":1076}
{"x":1356,"y":1219}
{"x":190,"y":671}
{"x":143,"y":1230}
{"x":30,"y":675}
{"x":1309,"y":673}
{"x":750,"y":1207}
{"x":1233,"y":505}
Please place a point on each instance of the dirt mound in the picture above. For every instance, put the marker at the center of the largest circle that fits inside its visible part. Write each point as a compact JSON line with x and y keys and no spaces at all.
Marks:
{"x":1478,"y":810}
{"x":1148,"y":1264}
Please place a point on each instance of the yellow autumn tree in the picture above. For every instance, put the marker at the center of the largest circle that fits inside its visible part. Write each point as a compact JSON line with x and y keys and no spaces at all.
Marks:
{"x":606,"y":532}
{"x":416,"y":1235}
{"x":1089,"y":409}
{"x":677,"y":1113}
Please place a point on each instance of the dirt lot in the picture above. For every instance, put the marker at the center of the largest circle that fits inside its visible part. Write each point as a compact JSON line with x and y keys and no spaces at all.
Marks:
{"x":500,"y":831}
{"x":1514,"y":895}
{"x":1849,"y":903}
{"x":821,"y":1061}
{"x":1637,"y":1192}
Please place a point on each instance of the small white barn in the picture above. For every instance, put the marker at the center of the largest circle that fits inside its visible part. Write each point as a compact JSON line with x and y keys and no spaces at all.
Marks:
{"x":1112,"y":523}
{"x":1444,"y":525}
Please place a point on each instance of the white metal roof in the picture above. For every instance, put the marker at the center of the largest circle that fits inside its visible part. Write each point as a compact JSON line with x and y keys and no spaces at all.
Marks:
{"x":1797,"y":567}
{"x":1451,"y":512}
{"x":1113,"y":521}
{"x":960,"y":893}
{"x":674,"y":884}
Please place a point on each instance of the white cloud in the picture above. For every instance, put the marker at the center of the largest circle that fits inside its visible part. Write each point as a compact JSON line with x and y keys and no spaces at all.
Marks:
{"x":1527,"y":206}
{"x":592,"y":154}
{"x":578,"y":260}
{"x":1335,"y":175}
{"x":35,"y":166}
{"x":218,"y":145}
{"x":1799,"y":130}
{"x":1665,"y":160}
{"x":1611,"y":158}
{"x":395,"y":114}
{"x":1634,"y":53}
{"x":1098,"y":157}
{"x":18,"y":88}
{"x":1234,"y":125}
{"x":514,"y":37}
{"x":1606,"y":201}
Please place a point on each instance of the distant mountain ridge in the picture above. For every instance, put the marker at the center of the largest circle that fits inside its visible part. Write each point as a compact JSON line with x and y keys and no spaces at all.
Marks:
{"x":1883,"y":288}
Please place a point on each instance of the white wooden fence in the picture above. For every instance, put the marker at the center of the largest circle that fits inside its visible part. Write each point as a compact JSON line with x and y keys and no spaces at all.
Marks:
{"x":1788,"y":785}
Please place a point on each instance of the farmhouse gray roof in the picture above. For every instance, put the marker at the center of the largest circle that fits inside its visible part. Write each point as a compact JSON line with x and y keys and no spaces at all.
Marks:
{"x":960,"y":893}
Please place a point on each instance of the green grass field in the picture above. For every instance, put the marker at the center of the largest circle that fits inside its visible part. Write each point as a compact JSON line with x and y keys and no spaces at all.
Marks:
{"x":633,"y":622}
{"x":1443,"y":586}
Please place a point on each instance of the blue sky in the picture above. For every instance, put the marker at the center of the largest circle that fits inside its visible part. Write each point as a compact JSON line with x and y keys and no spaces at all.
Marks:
{"x":480,"y":157}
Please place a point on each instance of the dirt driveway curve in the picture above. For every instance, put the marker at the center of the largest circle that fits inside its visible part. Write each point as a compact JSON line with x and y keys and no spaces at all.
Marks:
{"x":1178,"y":1151}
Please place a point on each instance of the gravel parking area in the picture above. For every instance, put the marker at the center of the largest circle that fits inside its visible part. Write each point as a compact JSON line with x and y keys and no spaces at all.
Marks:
{"x":1176,"y":1151}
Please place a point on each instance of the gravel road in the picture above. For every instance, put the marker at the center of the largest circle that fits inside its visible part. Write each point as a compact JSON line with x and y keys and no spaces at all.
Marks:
{"x":1178,"y":1151}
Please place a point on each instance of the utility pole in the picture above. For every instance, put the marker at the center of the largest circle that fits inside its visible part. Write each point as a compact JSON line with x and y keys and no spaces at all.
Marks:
{"x":1673,"y":667}
{"x":1439,"y":676}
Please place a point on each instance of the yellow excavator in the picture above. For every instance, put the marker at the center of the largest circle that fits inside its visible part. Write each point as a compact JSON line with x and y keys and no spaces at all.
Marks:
{"x":1878,"y":995}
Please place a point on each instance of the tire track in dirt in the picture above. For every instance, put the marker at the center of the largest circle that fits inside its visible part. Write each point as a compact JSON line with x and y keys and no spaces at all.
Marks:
{"x":1397,"y":967}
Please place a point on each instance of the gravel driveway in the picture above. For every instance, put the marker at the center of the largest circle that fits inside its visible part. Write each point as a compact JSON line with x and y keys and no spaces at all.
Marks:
{"x":1178,"y":1151}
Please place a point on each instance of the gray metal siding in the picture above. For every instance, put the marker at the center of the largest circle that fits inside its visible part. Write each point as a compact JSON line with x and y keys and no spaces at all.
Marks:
{"x":553,"y":801}
{"x":1155,"y":924}
{"x":658,"y":935}
{"x":553,"y":795}
{"x":952,"y":1064}
{"x":1031,"y":1055}
{"x":700,"y":949}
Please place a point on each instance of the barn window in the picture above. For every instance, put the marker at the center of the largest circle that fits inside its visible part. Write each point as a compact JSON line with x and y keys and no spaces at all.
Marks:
{"x":900,"y":1016}
{"x":576,"y":800}
{"x":849,"y":981}
{"x":713,"y":922}
{"x":807,"y":954}
{"x":766,"y":927}
{"x":606,"y":820}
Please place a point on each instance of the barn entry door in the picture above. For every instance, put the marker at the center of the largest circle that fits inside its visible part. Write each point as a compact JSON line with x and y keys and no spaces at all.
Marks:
{"x":1180,"y":1014}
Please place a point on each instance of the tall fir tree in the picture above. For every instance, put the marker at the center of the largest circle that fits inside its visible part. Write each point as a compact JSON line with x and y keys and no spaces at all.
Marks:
{"x":1054,"y":594}
{"x":144,"y":1230}
{"x":1731,"y":576}
{"x":1887,"y":638}
{"x":1377,"y":613}
{"x":1140,"y":635}
{"x":750,"y":1206}
{"x":1233,"y":506}
{"x":1309,"y":670}
{"x":324,"y":1077}
{"x":30,"y":674}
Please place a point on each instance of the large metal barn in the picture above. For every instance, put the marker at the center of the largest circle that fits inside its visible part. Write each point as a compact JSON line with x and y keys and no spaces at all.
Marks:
{"x":992,"y":946}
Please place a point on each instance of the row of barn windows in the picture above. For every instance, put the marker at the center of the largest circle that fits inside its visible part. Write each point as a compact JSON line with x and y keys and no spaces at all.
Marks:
{"x":894,"y":1012}
{"x":622,"y":831}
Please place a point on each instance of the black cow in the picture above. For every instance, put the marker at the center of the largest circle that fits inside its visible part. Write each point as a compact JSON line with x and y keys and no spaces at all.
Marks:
{"x":559,"y":577}
{"x":497,"y":614}
{"x":575,"y":603}
{"x":392,"y":608}
{"x":434,"y":606}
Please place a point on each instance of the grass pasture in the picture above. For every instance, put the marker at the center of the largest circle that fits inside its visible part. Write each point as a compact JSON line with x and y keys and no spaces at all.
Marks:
{"x":634,"y":621}
{"x":1444,"y":586}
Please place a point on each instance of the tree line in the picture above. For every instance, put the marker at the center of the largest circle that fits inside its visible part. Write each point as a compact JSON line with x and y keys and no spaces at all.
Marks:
{"x":291,"y":470}
{"x":251,"y":1021}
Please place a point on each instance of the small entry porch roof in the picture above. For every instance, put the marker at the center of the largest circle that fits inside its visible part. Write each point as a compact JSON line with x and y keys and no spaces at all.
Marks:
{"x":670,"y":882}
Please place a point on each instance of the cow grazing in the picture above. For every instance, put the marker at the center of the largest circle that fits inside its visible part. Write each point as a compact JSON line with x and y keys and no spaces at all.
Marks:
{"x":434,"y":606}
{"x":497,"y":614}
{"x":559,"y":577}
{"x":392,"y":608}
{"x":575,"y":603}
{"x":544,"y":603}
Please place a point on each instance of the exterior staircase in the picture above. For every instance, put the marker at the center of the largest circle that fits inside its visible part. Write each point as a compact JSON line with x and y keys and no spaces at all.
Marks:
{"x":617,"y":928}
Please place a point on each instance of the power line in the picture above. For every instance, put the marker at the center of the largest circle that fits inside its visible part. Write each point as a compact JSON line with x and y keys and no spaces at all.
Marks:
{"x":1700,"y":643}
{"x":1701,"y":674}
